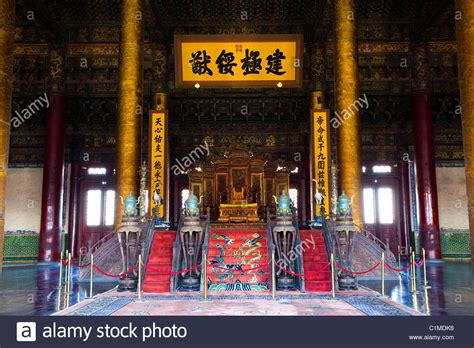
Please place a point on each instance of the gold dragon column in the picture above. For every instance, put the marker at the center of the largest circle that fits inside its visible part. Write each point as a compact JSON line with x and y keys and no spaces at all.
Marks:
{"x":346,"y":89}
{"x":7,"y":30}
{"x":130,"y":100}
{"x":465,"y":46}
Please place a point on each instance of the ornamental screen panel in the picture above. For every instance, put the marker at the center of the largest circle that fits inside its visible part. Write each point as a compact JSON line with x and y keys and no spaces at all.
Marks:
{"x":238,"y":61}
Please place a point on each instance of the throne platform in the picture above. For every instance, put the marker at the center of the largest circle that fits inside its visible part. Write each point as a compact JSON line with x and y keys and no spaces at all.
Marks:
{"x":238,"y":212}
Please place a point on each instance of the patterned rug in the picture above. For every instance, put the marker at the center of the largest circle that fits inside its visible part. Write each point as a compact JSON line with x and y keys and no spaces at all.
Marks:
{"x":236,"y":305}
{"x":238,"y":261}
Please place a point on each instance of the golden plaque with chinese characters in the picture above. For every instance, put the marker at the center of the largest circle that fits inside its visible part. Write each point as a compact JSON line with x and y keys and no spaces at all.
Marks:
{"x":238,"y":61}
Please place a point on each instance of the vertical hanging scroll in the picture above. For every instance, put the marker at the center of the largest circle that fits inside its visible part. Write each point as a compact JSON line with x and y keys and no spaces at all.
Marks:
{"x":158,"y":153}
{"x":321,"y":152}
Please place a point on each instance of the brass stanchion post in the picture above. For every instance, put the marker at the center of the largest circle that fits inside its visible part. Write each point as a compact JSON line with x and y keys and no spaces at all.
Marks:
{"x":204,"y":265}
{"x":273,"y":277}
{"x":58,"y":307}
{"x":91,"y":279}
{"x":424,"y":270}
{"x":63,"y":298}
{"x":79,"y":261}
{"x":60,"y":282}
{"x":399,"y":251}
{"x":65,"y":275}
{"x":383,"y":273}
{"x":333,"y":283}
{"x":415,"y":302}
{"x":139,"y":287}
{"x":414,"y":272}
{"x":411,"y":261}
{"x":399,"y":261}
{"x":427,"y":302}
{"x":69,"y":278}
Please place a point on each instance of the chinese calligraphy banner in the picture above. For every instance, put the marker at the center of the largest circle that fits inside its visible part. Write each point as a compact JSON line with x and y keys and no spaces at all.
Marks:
{"x":158,"y":161}
{"x":238,"y":61}
{"x":321,"y":150}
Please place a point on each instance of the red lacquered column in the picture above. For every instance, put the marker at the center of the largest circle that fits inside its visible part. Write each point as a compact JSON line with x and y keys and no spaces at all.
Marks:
{"x":426,"y":175}
{"x":51,"y":224}
{"x":73,"y":240}
{"x":405,"y":240}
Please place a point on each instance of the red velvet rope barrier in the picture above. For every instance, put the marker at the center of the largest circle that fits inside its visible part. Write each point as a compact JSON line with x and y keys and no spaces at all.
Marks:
{"x":303,"y":274}
{"x":399,"y":270}
{"x":131,"y":270}
{"x":240,"y":270}
{"x":80,"y":266}
{"x":73,"y":262}
{"x":117,"y":275}
{"x":156,"y":271}
{"x":419,"y":263}
{"x":353,"y":272}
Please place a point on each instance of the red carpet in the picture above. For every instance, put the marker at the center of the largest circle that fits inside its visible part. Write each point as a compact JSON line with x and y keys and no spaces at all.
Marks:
{"x":238,"y":250}
{"x":313,"y":260}
{"x":161,"y":256}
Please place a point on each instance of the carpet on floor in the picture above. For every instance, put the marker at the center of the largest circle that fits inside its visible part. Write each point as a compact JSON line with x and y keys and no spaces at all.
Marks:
{"x":238,"y":261}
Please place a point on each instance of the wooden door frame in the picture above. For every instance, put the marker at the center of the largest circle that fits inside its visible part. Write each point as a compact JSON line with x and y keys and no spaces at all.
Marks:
{"x":85,"y":182}
{"x":396,"y":176}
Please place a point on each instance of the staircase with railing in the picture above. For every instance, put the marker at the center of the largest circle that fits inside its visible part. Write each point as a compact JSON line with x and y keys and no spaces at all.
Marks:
{"x":157,"y":260}
{"x":367,"y":251}
{"x":147,"y":242}
{"x":108,"y":256}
